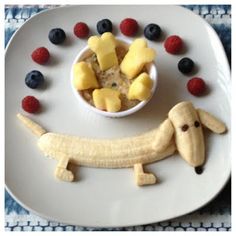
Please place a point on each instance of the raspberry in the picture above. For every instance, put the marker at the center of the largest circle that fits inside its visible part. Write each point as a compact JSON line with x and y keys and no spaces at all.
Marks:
{"x":30,"y":104}
{"x":81,"y":30}
{"x":173,"y":44}
{"x":129,"y":26}
{"x":196,"y":86}
{"x":40,"y":55}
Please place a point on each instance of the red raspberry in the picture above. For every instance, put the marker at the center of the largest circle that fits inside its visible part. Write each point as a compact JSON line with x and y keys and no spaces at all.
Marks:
{"x":196,"y":86}
{"x":81,"y":30}
{"x":30,"y":104}
{"x":40,"y":55}
{"x":173,"y":44}
{"x":129,"y":27}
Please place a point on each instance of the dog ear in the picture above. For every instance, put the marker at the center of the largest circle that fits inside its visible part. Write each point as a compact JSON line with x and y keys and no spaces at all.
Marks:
{"x":164,"y":135}
{"x":211,"y":122}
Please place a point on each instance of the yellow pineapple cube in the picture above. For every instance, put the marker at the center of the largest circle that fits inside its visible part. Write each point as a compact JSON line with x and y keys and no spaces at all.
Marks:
{"x":84,"y":76}
{"x":107,"y":99}
{"x":140,"y":88}
{"x":135,"y":59}
{"x":104,"y":48}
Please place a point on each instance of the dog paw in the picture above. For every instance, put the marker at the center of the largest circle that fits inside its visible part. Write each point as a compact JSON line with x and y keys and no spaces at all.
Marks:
{"x":64,"y":175}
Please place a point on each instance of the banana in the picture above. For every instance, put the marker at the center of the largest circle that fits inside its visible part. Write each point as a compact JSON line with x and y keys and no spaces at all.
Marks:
{"x":35,"y":128}
{"x":104,"y":153}
{"x":189,"y":137}
{"x":116,"y":153}
{"x":211,"y":122}
{"x":181,"y":131}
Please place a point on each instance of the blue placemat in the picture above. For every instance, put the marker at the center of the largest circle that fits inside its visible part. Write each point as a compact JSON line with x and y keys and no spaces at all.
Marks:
{"x":216,"y":216}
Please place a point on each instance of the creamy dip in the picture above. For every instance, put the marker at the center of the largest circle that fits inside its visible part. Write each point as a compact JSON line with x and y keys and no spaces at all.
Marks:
{"x":111,"y":78}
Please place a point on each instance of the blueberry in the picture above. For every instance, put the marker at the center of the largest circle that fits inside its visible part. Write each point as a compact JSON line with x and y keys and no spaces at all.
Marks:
{"x":57,"y":36}
{"x":34,"y":79}
{"x":152,"y":31}
{"x":104,"y":25}
{"x":185,"y":65}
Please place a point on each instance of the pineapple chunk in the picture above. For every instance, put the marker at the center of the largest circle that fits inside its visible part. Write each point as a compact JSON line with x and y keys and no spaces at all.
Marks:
{"x":84,"y":76}
{"x":138,"y":55}
{"x":141,"y":88}
{"x":104,"y":48}
{"x":107,"y":99}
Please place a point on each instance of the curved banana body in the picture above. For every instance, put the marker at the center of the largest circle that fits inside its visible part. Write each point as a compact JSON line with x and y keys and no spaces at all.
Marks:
{"x":107,"y":153}
{"x":117,"y":153}
{"x":181,"y":131}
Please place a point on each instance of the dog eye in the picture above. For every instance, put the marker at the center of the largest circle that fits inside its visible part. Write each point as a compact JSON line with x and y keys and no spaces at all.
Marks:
{"x":196,"y":124}
{"x":184,"y":128}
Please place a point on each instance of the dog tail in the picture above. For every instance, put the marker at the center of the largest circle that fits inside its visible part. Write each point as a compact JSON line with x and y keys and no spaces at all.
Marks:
{"x":34,"y":127}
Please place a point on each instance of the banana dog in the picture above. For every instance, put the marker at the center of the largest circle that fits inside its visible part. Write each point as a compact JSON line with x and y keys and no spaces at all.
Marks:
{"x":181,"y":131}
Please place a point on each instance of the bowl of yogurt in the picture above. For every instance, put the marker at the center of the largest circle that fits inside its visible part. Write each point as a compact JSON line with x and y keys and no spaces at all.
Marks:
{"x":114,"y":79}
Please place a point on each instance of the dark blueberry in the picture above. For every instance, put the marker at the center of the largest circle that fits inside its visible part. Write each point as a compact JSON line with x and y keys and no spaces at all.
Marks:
{"x":57,"y":36}
{"x":185,"y":65}
{"x":34,"y":79}
{"x":104,"y":25}
{"x":152,"y":31}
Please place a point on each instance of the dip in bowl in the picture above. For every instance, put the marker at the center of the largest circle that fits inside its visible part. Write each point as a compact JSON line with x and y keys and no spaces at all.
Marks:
{"x":114,"y":79}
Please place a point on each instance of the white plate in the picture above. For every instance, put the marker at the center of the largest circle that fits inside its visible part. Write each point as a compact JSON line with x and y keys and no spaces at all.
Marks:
{"x":107,"y":197}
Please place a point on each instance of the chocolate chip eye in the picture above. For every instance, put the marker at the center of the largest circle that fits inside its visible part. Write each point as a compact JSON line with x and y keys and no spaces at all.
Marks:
{"x":184,"y":128}
{"x":196,"y":124}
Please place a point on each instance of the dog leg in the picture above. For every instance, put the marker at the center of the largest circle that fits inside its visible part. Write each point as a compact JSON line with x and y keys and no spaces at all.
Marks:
{"x":142,"y":178}
{"x":61,"y":171}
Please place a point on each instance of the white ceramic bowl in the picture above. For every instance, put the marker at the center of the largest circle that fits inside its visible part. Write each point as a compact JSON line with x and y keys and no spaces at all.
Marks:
{"x":152,"y":71}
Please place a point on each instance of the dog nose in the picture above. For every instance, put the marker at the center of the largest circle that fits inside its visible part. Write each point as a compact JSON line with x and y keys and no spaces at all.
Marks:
{"x":198,"y":170}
